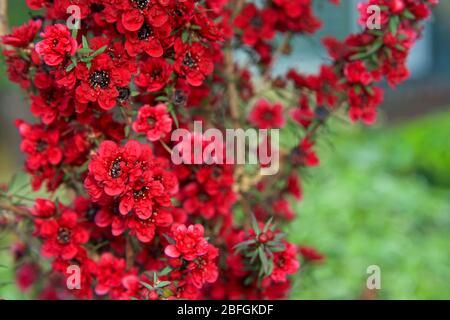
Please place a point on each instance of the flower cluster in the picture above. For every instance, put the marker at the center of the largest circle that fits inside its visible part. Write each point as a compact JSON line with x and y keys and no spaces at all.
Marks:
{"x":106,"y":98}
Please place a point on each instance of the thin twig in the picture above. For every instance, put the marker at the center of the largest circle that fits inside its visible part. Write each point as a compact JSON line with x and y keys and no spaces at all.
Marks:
{"x":277,"y":54}
{"x":232,"y":91}
{"x":14,"y":209}
{"x":129,"y":253}
{"x":233,"y":95}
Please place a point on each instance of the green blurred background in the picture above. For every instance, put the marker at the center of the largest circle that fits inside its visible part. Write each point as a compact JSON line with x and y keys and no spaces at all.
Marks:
{"x":380,"y":197}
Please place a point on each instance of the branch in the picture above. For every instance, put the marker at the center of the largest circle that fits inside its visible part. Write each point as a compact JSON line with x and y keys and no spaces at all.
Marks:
{"x":233,"y":94}
{"x":277,"y":54}
{"x":129,"y":253}
{"x":4,"y":25}
{"x":14,"y":209}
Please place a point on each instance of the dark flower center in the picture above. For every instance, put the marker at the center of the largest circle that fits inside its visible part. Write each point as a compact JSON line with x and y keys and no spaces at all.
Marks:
{"x":99,"y":79}
{"x":268,"y":116}
{"x":256,"y":21}
{"x":201,"y":262}
{"x":140,"y":194}
{"x":156,"y":73}
{"x":97,"y":7}
{"x":321,"y":113}
{"x":151,"y":122}
{"x":41,"y":146}
{"x":216,"y":172}
{"x":179,"y":97}
{"x":64,"y":235}
{"x":145,"y":32}
{"x":203,"y":197}
{"x":55,"y":42}
{"x":124,"y":93}
{"x":92,"y":212}
{"x":116,"y":168}
{"x":189,"y":61}
{"x":140,"y":4}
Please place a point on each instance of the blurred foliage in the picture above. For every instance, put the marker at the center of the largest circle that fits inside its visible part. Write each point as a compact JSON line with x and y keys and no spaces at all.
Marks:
{"x":18,"y":13}
{"x":380,"y":197}
{"x":20,"y":192}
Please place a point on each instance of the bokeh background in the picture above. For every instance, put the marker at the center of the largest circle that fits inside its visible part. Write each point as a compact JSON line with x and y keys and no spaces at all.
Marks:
{"x":381,"y":195}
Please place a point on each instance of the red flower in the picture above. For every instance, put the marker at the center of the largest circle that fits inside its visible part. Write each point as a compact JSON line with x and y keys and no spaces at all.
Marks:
{"x":211,"y":194}
{"x":57,"y":44}
{"x":154,"y":75}
{"x":193,"y":62}
{"x":363,"y":104}
{"x":147,"y":39}
{"x":356,"y":72}
{"x":110,"y":272}
{"x":110,"y":169}
{"x":283,"y":209}
{"x":155,"y":122}
{"x":305,"y":154}
{"x":26,"y":275}
{"x":44,"y":208}
{"x":63,"y":236}
{"x":40,"y":144}
{"x":285,"y":263}
{"x":204,"y":269}
{"x":141,"y":184}
{"x":189,"y":242}
{"x":100,"y":82}
{"x":267,"y":116}
{"x":311,"y":254}
{"x":256,"y":24}
{"x":144,"y":229}
{"x":23,"y":35}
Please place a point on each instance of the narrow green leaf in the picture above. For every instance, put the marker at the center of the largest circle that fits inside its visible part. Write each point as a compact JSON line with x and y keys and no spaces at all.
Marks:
{"x":255,"y":225}
{"x":184,"y":36}
{"x":263,"y":259}
{"x":165,"y":271}
{"x":163,"y":284}
{"x":147,"y":285}
{"x":85,"y":42}
{"x":99,"y":51}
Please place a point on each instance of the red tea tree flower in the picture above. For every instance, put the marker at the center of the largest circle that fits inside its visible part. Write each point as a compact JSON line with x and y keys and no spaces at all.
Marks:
{"x":106,"y":99}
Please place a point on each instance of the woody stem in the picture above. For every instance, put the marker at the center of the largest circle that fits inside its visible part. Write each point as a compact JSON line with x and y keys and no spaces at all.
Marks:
{"x":4,"y":26}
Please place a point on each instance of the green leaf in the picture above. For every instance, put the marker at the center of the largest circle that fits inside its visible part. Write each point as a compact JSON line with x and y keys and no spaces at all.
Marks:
{"x":393,"y":25}
{"x":162,"y":98}
{"x":74,"y":33}
{"x":169,"y":239}
{"x":99,"y":51}
{"x":70,"y":67}
{"x":165,"y":271}
{"x":263,"y":259}
{"x":267,"y":226}
{"x":127,"y":131}
{"x":255,"y":225}
{"x":408,"y":15}
{"x":163,"y":284}
{"x":85,"y":42}
{"x":184,"y":36}
{"x":147,"y":285}
{"x":84,"y":51}
{"x":242,"y":245}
